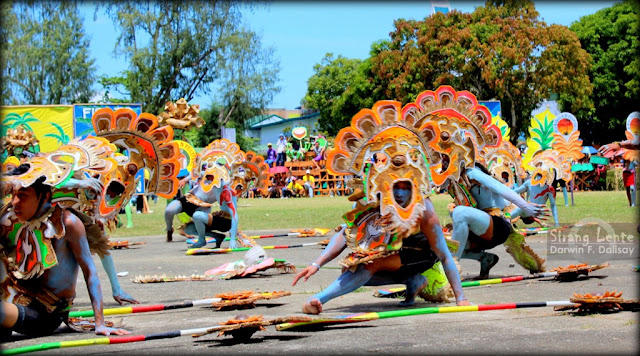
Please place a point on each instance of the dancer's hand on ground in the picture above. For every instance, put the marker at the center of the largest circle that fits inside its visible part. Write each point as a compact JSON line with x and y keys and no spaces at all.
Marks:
{"x":105,"y":330}
{"x":306,"y":273}
{"x":463,"y":303}
{"x":123,"y":297}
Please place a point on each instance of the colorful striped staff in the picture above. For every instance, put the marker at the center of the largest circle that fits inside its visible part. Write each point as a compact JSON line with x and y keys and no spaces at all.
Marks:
{"x":209,"y":251}
{"x":150,"y":308}
{"x":103,"y":341}
{"x":318,"y":232}
{"x":133,"y":309}
{"x":354,"y":318}
{"x":395,"y":291}
{"x":211,"y":239}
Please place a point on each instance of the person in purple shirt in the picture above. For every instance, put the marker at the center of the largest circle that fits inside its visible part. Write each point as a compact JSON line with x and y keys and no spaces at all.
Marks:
{"x":271,"y":155}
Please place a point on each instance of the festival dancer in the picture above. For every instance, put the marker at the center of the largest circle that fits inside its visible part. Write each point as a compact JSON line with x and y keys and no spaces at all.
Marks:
{"x":221,"y":161}
{"x":394,"y":231}
{"x":39,"y":284}
{"x":462,"y":129}
{"x":549,"y":166}
{"x":103,"y":180}
{"x":630,"y":151}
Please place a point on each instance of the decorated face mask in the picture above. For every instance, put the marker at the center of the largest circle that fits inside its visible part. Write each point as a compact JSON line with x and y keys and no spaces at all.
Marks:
{"x":463,"y":129}
{"x":147,"y":146}
{"x":388,"y":151}
{"x":549,"y":165}
{"x":217,"y":174}
{"x":504,"y":162}
{"x":542,"y":176}
{"x":220,"y":161}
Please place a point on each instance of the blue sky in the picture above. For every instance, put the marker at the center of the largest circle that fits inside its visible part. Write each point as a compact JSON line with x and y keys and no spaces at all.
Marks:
{"x":303,"y":32}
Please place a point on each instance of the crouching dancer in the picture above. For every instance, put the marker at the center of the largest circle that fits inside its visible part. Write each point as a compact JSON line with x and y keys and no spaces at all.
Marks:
{"x":393,"y":230}
{"x":42,"y":248}
{"x":418,"y":253}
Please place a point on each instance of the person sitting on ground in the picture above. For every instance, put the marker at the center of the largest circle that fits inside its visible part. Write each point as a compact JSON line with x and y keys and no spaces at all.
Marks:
{"x":252,"y":189}
{"x":309,"y":182}
{"x":292,"y":189}
{"x":41,"y":291}
{"x":271,"y":155}
{"x":393,"y":230}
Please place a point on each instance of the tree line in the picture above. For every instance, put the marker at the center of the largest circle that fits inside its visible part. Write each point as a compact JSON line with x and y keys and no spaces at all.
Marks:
{"x":172,"y":49}
{"x":502,"y":51}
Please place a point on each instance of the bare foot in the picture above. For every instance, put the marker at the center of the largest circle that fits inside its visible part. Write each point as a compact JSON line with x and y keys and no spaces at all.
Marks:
{"x":414,"y":286}
{"x":312,"y":307}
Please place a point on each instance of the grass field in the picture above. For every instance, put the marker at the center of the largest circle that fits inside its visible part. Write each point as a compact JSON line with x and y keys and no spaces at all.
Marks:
{"x":326,"y":212}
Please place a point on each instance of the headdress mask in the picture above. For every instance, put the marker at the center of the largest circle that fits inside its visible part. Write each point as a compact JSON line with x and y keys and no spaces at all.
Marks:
{"x":221,"y":160}
{"x":386,"y":145}
{"x":549,"y":165}
{"x":147,"y":146}
{"x":505,"y":159}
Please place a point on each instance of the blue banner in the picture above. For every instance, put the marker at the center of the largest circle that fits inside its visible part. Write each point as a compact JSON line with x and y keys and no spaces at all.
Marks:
{"x":493,"y":106}
{"x":82,"y":114}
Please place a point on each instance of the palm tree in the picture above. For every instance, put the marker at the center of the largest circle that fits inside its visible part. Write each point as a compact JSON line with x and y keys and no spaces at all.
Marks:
{"x":61,"y":137}
{"x":13,"y":120}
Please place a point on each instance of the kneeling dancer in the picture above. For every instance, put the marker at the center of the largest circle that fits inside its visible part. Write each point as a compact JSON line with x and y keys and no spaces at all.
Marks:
{"x":393,"y":230}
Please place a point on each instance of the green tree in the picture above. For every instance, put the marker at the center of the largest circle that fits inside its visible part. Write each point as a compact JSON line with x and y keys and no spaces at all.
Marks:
{"x":211,"y":130}
{"x":500,"y":51}
{"x":180,"y":49}
{"x":248,"y":81}
{"x":44,"y":54}
{"x":610,"y":36}
{"x":326,"y":88}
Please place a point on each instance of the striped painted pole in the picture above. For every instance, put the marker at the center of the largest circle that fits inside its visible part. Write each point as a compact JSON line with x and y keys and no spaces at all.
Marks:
{"x":392,"y":291}
{"x":103,"y":341}
{"x":133,"y":309}
{"x":354,"y":318}
{"x":208,"y":251}
{"x":211,"y":239}
{"x":317,"y":232}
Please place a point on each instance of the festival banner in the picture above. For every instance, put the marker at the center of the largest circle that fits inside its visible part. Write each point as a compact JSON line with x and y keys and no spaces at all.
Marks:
{"x":51,"y":124}
{"x":82,"y":114}
{"x":495,"y":109}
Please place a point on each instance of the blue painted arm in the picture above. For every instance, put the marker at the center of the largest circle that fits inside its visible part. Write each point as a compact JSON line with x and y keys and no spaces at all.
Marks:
{"x":118,"y":294}
{"x":228,"y":203}
{"x":522,"y":188}
{"x":501,"y":189}
{"x":336,"y":245}
{"x":430,"y":227}
{"x":77,"y":241}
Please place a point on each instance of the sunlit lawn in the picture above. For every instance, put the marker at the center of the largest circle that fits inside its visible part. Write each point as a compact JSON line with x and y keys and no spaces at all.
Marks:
{"x":326,"y":212}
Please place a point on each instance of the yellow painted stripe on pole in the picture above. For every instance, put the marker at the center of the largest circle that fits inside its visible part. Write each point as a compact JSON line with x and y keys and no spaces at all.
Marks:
{"x":365,"y":316}
{"x":116,"y":311}
{"x":490,"y":281}
{"x":87,"y":342}
{"x":465,"y":308}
